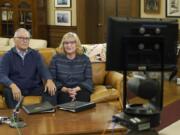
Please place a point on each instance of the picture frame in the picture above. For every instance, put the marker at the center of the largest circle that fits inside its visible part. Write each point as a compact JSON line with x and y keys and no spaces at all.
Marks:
{"x":152,"y":6}
{"x":63,"y":18}
{"x":173,"y":8}
{"x":63,"y":3}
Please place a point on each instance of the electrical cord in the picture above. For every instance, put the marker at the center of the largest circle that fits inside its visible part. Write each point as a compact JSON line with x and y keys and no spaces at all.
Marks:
{"x":18,"y":129}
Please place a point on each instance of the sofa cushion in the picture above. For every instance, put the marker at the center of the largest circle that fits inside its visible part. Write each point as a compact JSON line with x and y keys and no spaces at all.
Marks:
{"x":1,"y":88}
{"x":33,"y":43}
{"x":2,"y":102}
{"x":4,"y":42}
{"x":96,"y":52}
{"x":2,"y":53}
{"x":47,"y":54}
{"x":32,"y":100}
{"x":102,"y":94}
{"x":98,"y":73}
{"x":38,"y":43}
{"x":5,"y":48}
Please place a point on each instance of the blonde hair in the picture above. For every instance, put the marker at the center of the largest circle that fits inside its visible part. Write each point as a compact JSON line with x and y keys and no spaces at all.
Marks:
{"x":66,"y":37}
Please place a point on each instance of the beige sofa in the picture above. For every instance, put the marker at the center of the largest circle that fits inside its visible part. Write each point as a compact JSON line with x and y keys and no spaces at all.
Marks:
{"x":101,"y":79}
{"x":7,"y":43}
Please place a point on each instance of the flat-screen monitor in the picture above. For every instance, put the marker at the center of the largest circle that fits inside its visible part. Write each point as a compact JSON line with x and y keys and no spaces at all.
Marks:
{"x":141,"y":44}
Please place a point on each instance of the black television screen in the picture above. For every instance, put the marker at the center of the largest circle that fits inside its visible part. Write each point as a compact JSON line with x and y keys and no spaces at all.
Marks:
{"x":147,"y":44}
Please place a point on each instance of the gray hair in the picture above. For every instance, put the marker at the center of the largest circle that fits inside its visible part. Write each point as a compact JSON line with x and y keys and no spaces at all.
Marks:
{"x":22,"y":29}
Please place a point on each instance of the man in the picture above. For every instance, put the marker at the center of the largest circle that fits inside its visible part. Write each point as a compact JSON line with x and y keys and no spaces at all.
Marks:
{"x":22,"y":71}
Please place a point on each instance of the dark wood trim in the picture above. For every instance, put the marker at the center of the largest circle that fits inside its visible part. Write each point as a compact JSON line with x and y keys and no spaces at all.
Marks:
{"x":81,"y":19}
{"x":91,"y":21}
{"x":55,"y":34}
{"x":38,"y":27}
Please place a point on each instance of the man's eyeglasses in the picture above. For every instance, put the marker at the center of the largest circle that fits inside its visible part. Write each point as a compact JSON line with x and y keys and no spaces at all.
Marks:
{"x":23,"y":38}
{"x":69,"y":42}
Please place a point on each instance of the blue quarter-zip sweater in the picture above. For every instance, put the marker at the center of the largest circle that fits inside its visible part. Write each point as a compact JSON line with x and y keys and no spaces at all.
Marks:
{"x":26,"y":73}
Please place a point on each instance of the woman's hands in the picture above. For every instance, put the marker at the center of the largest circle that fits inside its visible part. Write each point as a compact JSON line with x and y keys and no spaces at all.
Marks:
{"x":71,"y":91}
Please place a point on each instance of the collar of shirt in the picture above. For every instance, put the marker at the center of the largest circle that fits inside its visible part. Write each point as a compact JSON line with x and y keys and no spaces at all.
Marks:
{"x":22,"y":54}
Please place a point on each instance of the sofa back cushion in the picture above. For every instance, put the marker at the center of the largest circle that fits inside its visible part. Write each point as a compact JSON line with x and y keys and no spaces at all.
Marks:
{"x":4,"y":41}
{"x":98,"y":73}
{"x":33,"y":43}
{"x":96,"y":52}
{"x":2,"y":53}
{"x":47,"y":54}
{"x":97,"y":56}
{"x":37,"y":43}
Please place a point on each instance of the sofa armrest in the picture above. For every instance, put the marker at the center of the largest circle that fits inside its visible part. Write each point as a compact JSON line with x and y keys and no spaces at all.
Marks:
{"x":115,"y":79}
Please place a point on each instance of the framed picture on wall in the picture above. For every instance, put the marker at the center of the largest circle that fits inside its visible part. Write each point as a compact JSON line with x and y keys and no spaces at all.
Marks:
{"x":63,"y":18}
{"x":152,"y":6}
{"x":173,"y":8}
{"x":62,"y":3}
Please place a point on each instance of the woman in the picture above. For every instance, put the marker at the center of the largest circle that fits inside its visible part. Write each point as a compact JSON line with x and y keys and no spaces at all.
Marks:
{"x":71,"y":70}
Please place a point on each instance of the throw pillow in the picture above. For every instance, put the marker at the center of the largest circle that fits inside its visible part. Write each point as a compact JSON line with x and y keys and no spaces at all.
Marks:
{"x":96,"y":52}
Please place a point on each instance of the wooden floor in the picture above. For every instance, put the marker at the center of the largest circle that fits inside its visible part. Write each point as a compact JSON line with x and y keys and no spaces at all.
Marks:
{"x":171,"y":93}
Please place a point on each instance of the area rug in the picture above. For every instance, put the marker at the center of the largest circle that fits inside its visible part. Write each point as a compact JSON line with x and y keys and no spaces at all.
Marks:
{"x":173,"y":129}
{"x":169,"y":115}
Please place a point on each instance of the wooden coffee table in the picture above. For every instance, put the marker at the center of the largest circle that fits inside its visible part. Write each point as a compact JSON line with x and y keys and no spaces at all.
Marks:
{"x":94,"y":121}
